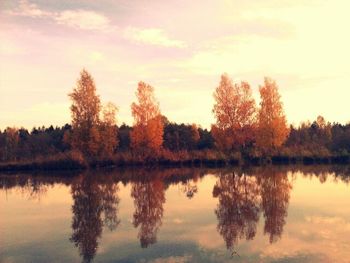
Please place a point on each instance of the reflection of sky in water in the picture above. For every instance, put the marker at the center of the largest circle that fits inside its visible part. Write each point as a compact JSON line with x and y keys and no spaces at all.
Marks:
{"x":272,"y":217}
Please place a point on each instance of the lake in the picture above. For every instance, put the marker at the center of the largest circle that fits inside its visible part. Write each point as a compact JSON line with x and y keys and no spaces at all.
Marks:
{"x":257,"y":214}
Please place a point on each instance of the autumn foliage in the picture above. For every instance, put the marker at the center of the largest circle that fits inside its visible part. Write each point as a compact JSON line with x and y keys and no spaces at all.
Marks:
{"x":242,"y":132}
{"x":147,"y":134}
{"x":235,"y":114}
{"x":85,"y":112}
{"x":90,"y":135}
{"x":272,"y":123}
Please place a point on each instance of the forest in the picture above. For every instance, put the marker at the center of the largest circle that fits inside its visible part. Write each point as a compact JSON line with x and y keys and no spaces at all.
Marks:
{"x":243,"y":133}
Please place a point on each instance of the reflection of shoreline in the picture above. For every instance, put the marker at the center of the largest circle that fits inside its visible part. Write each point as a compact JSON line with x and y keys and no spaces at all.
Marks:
{"x":246,"y":194}
{"x":170,"y":175}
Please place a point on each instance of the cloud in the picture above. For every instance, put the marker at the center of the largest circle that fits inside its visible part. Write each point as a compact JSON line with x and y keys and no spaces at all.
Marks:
{"x":152,"y":36}
{"x":79,"y":19}
{"x":83,"y":19}
{"x":173,"y":259}
{"x":28,"y":9}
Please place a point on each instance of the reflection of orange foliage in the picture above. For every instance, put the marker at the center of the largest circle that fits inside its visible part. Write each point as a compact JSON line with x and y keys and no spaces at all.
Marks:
{"x":147,"y":133}
{"x":272,"y":123}
{"x":275,"y":193}
{"x":149,"y":198}
{"x":95,"y":204}
{"x":234,"y":110}
{"x":238,"y":208}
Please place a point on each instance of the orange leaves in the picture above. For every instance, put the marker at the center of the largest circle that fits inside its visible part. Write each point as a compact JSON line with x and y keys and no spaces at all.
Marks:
{"x":238,"y":126}
{"x":234,"y":110}
{"x":154,"y":132}
{"x":147,"y":107}
{"x":224,"y":138}
{"x":86,"y":103}
{"x":272,"y":124}
{"x":147,"y":134}
{"x":109,"y":112}
{"x":85,"y":111}
{"x":237,"y":121}
{"x":91,"y":135}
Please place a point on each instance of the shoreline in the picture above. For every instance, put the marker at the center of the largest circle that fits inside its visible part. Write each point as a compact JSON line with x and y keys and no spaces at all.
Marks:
{"x":70,"y":164}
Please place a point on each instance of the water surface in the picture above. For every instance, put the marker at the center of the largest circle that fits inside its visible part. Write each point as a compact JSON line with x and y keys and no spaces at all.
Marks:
{"x":271,"y":214}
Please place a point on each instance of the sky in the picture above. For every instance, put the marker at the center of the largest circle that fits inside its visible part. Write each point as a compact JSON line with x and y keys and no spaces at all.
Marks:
{"x":180,"y":48}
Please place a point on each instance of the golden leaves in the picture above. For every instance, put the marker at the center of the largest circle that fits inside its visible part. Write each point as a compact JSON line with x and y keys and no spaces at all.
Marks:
{"x":91,"y":135}
{"x":237,"y":121}
{"x":272,"y":123}
{"x":147,"y":133}
{"x":235,"y":114}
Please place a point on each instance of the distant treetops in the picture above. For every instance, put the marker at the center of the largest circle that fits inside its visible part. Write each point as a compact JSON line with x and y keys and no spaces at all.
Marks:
{"x":239,"y":123}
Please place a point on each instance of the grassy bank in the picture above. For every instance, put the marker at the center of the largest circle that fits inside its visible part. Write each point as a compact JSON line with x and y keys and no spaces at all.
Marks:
{"x":74,"y":161}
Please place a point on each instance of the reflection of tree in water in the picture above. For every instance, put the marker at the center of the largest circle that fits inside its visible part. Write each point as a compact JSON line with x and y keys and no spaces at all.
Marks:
{"x":275,"y":193}
{"x":149,"y":198}
{"x":92,"y":200}
{"x":34,"y":189}
{"x":238,"y":208}
{"x":189,"y":187}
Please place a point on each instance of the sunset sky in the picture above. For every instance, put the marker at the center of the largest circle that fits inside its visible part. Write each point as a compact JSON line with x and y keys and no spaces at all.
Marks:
{"x":179,"y":47}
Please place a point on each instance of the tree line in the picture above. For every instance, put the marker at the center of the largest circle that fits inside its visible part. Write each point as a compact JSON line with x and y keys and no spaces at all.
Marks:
{"x":241,"y":129}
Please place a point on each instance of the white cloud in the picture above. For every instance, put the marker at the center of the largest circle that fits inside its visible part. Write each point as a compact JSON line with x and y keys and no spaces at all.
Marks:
{"x":29,"y":9}
{"x":80,"y":19}
{"x":152,"y":36}
{"x":83,"y":19}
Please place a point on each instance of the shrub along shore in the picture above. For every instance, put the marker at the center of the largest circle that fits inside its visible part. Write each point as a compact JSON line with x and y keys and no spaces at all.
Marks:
{"x":74,"y":161}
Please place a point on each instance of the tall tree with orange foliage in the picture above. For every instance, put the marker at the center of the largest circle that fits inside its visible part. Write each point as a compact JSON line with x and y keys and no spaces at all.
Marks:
{"x":235,"y":114}
{"x":85,"y":110}
{"x":147,"y":134}
{"x":272,"y":123}
{"x":108,"y":130}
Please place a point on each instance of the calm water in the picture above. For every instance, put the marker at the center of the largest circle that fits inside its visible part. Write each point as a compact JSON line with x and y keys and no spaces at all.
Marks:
{"x":177,"y":215}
